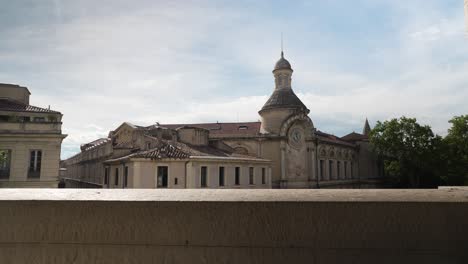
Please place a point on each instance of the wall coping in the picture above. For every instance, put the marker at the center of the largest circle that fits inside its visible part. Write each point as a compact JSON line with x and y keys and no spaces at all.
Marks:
{"x":443,"y":194}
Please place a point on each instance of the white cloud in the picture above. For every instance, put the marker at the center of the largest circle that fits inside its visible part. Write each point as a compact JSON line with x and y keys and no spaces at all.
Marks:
{"x":183,"y":62}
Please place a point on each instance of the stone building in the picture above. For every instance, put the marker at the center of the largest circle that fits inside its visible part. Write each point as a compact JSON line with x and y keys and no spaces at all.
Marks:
{"x":301,"y":156}
{"x":159,"y":157}
{"x":30,"y":140}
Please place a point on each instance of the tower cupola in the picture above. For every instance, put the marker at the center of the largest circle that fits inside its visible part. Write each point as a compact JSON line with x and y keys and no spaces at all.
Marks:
{"x":283,"y":101}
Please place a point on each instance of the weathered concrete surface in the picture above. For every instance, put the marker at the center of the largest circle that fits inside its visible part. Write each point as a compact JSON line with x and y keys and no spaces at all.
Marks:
{"x":233,"y":226}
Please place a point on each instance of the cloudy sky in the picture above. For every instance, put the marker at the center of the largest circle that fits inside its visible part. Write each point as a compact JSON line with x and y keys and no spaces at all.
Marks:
{"x":105,"y":62}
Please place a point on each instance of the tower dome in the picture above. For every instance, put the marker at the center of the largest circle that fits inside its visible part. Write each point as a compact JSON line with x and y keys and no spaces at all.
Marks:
{"x":283,"y":102}
{"x":282,"y":64}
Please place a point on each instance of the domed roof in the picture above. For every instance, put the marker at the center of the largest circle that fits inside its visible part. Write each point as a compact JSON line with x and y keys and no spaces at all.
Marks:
{"x":284,"y":98}
{"x":282,"y":64}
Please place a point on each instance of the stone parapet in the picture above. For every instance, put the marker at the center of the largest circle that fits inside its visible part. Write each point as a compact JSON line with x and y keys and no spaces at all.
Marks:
{"x":233,"y":226}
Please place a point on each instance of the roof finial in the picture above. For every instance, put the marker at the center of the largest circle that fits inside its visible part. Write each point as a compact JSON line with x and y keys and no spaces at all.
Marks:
{"x":282,"y":54}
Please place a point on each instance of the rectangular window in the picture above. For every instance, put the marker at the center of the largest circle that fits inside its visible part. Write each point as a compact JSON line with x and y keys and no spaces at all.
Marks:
{"x":322,"y":168}
{"x":345,"y":169}
{"x":162,"y":176}
{"x":330,"y":169}
{"x":251,"y":175}
{"x":221,"y":176}
{"x":352,"y":170}
{"x":5,"y":161}
{"x":106,"y":176}
{"x":203,"y":176}
{"x":126,"y":176}
{"x":263,"y":176}
{"x":35,"y":164}
{"x":175,"y":181}
{"x":116,"y":177}
{"x":338,"y":169}
{"x":39,"y":119}
{"x":237,"y":176}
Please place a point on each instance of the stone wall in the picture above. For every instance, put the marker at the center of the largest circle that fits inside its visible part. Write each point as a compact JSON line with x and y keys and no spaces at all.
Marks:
{"x":233,"y":226}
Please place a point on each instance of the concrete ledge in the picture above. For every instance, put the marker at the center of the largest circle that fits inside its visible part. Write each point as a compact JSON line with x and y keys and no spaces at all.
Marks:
{"x":447,"y":194}
{"x":233,"y":226}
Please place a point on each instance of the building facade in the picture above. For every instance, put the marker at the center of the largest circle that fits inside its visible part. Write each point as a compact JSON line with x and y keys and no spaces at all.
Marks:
{"x":30,"y":140}
{"x":300,"y":155}
{"x":158,"y":157}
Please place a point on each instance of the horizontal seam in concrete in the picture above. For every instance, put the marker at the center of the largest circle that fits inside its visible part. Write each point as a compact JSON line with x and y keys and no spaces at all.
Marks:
{"x":438,"y":249}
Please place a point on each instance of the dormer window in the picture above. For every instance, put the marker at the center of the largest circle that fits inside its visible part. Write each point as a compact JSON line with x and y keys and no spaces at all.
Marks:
{"x":148,"y":145}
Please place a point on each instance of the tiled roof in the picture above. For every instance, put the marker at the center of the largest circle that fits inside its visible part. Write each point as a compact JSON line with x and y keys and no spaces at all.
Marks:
{"x":12,"y":105}
{"x":284,"y":98}
{"x":94,"y":143}
{"x":332,"y":138}
{"x":176,"y":150}
{"x":239,"y":129}
{"x":354,"y":137}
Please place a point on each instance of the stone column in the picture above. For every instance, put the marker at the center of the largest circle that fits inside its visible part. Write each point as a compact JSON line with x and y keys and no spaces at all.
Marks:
{"x":283,"y":181}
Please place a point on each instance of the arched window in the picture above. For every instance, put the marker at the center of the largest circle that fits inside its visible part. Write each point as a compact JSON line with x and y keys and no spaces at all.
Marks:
{"x":241,"y":150}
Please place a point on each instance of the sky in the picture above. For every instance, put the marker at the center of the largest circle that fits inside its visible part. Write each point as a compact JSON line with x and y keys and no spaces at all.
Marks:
{"x":101,"y":63}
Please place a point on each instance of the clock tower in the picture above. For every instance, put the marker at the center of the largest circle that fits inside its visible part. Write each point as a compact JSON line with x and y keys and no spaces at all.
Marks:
{"x":285,"y":119}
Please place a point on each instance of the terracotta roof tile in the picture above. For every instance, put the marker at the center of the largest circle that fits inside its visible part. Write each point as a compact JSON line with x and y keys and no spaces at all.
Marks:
{"x":332,"y":138}
{"x":354,"y":137}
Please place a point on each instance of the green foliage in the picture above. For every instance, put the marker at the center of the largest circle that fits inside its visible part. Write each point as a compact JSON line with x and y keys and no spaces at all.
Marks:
{"x":457,"y":152}
{"x":411,"y":152}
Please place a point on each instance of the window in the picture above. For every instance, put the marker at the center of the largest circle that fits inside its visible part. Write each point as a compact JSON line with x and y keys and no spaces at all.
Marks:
{"x":221,"y":176}
{"x":116,"y":179}
{"x":106,"y":176}
{"x":5,"y":158}
{"x":203,"y":176}
{"x":175,"y":181}
{"x":352,"y":170}
{"x":35,"y":164}
{"x":237,"y":176}
{"x":338,"y":168}
{"x":126,"y":176}
{"x":263,"y":176}
{"x":251,"y":175}
{"x":322,"y":168}
{"x":330,"y":169}
{"x":162,"y":176}
{"x":345,"y":169}
{"x":148,"y":145}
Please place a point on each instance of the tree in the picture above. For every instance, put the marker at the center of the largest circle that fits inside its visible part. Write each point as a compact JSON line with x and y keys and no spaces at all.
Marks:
{"x":456,"y":143}
{"x":411,"y":152}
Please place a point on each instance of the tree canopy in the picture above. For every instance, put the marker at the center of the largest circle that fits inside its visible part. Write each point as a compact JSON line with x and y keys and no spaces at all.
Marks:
{"x":412,"y":153}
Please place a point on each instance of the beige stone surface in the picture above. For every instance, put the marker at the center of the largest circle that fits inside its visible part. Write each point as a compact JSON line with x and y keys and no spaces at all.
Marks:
{"x":234,"y":226}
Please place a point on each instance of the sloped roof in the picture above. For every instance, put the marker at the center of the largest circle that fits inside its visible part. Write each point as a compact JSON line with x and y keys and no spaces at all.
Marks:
{"x":12,"y":105}
{"x":354,"y":137}
{"x":283,"y":98}
{"x":166,"y":149}
{"x":332,"y":138}
{"x":242,"y":128}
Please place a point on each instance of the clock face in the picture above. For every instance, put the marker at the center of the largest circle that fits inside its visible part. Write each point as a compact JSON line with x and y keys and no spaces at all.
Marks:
{"x":296,"y":136}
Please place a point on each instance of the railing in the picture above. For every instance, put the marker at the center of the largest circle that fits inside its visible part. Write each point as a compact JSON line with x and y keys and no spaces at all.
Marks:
{"x":233,"y":226}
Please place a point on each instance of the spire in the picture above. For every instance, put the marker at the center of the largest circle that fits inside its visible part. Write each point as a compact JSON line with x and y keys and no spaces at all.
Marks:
{"x":366,"y":130}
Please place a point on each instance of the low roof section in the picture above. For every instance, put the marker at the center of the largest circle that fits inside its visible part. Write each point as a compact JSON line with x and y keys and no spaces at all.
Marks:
{"x":166,"y":149}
